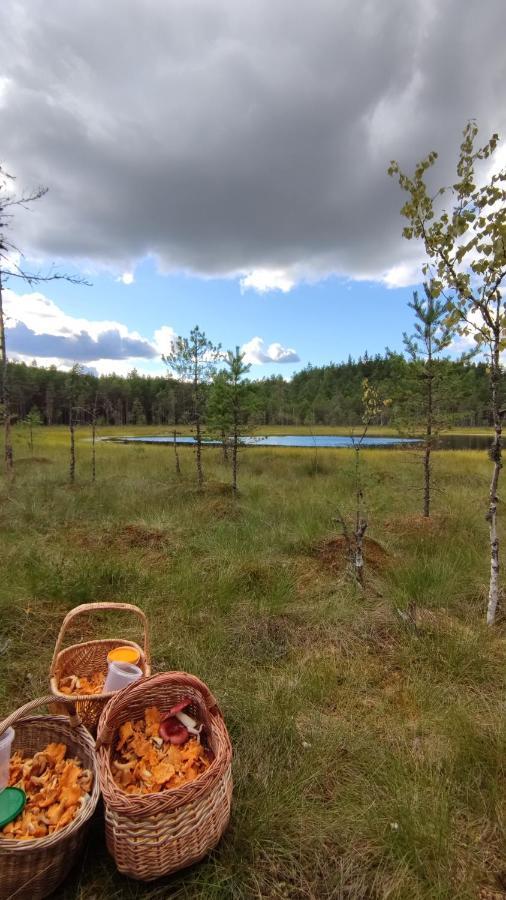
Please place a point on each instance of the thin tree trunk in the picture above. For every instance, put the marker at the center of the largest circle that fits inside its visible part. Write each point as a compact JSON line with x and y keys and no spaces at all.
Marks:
{"x":427,"y":470}
{"x":224,"y":448}
{"x":4,"y":392}
{"x":93,"y":446}
{"x":72,"y":465}
{"x":198,"y":451}
{"x":234,"y":460}
{"x":176,"y":454}
{"x":93,"y":451}
{"x":496,"y":455}
{"x":360,"y":524}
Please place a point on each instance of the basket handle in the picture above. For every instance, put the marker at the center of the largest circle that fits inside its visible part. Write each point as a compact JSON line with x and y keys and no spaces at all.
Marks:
{"x":34,"y":704}
{"x":107,"y":728}
{"x":92,"y":607}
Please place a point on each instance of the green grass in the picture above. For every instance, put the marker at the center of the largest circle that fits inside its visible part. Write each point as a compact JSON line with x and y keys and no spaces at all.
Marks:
{"x":369,"y":757}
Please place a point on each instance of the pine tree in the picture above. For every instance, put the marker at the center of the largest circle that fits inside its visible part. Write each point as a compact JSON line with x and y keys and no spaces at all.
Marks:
{"x":194,"y":359}
{"x":432,"y":335}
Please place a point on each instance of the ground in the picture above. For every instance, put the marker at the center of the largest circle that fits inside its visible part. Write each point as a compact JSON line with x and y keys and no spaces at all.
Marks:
{"x":369,"y":747}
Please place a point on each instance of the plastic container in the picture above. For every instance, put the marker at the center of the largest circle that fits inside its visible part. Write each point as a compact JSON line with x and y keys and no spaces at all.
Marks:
{"x":120,"y":675}
{"x":5,"y":754}
{"x":124,"y":655}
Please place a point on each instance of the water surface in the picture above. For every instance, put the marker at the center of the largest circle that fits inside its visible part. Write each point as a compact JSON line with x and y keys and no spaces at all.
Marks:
{"x":447,"y":442}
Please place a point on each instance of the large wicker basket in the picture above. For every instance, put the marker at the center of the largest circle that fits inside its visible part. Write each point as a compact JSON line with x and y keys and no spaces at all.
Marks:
{"x":155,"y":834}
{"x":34,"y":868}
{"x":91,"y":656}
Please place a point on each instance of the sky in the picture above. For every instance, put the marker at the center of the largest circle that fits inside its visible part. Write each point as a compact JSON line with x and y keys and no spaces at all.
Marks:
{"x":224,"y":164}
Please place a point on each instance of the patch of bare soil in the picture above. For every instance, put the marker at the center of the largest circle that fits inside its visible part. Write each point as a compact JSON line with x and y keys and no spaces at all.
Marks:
{"x":333,"y":553}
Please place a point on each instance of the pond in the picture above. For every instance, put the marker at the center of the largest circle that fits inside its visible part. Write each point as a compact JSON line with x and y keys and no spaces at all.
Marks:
{"x":448,"y":442}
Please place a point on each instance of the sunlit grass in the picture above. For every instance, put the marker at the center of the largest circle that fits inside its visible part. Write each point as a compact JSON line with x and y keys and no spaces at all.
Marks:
{"x":369,"y":753}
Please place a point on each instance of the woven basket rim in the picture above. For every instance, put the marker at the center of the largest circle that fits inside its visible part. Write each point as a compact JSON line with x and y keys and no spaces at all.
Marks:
{"x":82,"y":735}
{"x":67,"y":652}
{"x":142,"y":805}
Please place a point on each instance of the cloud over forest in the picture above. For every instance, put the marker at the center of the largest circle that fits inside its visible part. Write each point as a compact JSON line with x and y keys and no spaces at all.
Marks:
{"x":238,"y":138}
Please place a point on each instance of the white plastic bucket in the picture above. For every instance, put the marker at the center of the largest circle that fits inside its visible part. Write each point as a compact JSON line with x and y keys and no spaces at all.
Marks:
{"x":6,"y":740}
{"x":121,"y":674}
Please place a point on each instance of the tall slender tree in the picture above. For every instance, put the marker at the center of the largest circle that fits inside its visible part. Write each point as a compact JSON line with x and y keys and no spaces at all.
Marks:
{"x":194,"y":359}
{"x":219,"y":411}
{"x":465,"y":246}
{"x":432,"y":335}
{"x":354,"y":534}
{"x":33,"y":419}
{"x":11,"y":267}
{"x":72,"y":388}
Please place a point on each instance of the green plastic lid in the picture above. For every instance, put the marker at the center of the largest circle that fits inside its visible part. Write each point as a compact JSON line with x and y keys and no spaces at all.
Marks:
{"x":12,"y":801}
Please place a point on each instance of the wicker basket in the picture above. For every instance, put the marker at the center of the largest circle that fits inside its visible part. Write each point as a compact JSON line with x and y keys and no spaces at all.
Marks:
{"x":91,"y":656}
{"x":155,"y":834}
{"x":33,"y":869}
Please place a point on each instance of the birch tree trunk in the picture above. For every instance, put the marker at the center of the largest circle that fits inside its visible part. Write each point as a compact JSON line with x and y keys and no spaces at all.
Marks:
{"x":4,"y":391}
{"x":496,"y":456}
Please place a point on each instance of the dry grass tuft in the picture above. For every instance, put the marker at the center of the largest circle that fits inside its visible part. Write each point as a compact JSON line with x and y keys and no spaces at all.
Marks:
{"x":333,"y":554}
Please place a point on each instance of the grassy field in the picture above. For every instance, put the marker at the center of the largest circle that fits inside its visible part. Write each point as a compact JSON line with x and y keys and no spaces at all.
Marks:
{"x":369,"y":756}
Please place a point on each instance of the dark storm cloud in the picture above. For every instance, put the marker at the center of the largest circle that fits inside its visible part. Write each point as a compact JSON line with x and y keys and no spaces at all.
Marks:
{"x":79,"y":347}
{"x":231,"y":136}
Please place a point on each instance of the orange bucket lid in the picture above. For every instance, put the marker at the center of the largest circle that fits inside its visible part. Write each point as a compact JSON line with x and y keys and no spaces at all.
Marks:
{"x":124,"y":654}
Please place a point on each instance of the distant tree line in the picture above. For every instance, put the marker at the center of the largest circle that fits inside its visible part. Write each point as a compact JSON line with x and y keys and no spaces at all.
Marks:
{"x":318,"y":395}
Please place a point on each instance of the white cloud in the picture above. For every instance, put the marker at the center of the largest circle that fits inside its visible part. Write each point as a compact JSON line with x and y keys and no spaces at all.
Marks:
{"x":403,"y":275}
{"x":126,"y":278}
{"x":265,"y":280}
{"x":37,"y":328}
{"x":257,"y":354}
{"x":164,"y":339}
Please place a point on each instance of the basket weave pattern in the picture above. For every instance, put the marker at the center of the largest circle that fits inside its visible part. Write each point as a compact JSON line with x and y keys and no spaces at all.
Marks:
{"x":30,"y":870}
{"x":91,"y":656}
{"x":154,"y":834}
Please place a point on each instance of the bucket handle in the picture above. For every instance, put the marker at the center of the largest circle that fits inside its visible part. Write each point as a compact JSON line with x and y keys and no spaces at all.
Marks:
{"x":20,"y":713}
{"x":93,"y":607}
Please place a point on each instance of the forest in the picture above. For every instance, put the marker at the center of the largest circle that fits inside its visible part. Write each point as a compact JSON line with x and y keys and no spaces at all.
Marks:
{"x":318,"y":395}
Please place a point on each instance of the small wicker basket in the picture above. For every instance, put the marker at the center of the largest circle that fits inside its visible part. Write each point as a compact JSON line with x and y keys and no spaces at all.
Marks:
{"x":91,"y":656}
{"x":33,"y":869}
{"x":155,"y":834}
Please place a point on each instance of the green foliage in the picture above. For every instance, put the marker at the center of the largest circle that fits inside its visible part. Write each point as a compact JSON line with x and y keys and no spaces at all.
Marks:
{"x":193,"y":360}
{"x":465,"y":241}
{"x":323,"y":395}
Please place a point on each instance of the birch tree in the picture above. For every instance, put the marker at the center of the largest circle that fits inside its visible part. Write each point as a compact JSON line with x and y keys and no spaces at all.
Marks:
{"x":462,"y":228}
{"x":194,"y":360}
{"x":11,"y":268}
